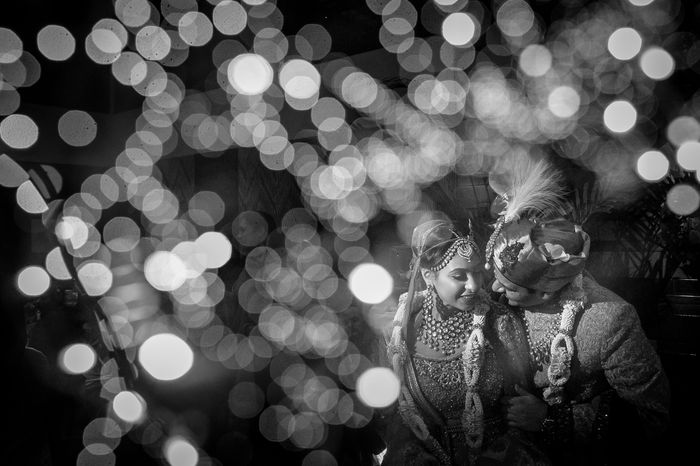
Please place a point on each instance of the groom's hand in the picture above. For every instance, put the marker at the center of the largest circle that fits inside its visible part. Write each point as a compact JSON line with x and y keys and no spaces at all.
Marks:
{"x":525,"y":411}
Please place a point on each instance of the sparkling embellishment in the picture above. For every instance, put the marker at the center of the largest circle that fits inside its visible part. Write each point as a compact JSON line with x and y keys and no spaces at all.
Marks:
{"x":509,"y":255}
{"x":464,"y":247}
{"x":540,"y":350}
{"x":447,"y":335}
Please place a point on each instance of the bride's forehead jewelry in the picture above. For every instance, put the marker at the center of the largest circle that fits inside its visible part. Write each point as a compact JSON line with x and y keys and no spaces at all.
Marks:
{"x":464,"y":247}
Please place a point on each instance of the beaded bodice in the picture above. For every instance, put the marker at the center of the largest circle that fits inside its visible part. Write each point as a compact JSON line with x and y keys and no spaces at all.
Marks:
{"x":442,"y":382}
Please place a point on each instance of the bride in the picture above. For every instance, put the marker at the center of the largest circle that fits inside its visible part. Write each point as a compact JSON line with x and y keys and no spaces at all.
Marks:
{"x":456,"y":353}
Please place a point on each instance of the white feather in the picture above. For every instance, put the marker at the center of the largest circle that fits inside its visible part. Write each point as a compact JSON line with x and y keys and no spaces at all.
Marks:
{"x":537,"y":189}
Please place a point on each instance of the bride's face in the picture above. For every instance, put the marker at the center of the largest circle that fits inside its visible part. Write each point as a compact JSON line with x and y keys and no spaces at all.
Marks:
{"x":458,"y":282}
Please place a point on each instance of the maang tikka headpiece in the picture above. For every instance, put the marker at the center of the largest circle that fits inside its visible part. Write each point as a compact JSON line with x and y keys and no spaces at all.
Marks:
{"x":464,"y":246}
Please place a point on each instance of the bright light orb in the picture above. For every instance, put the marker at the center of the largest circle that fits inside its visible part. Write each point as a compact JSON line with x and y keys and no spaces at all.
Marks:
{"x":11,"y":46}
{"x":620,"y":116}
{"x":688,"y":155}
{"x":564,"y":101}
{"x":458,"y":29}
{"x":33,"y":281}
{"x":682,"y":129}
{"x":624,"y":43}
{"x":77,"y":358}
{"x":56,"y":42}
{"x":299,"y":79}
{"x":129,"y":406}
{"x":166,"y":356}
{"x":56,"y":266}
{"x":683,"y":199}
{"x":250,"y":74}
{"x":652,"y":165}
{"x":370,"y":283}
{"x":378,"y":387}
{"x":179,"y":452}
{"x":29,"y":198}
{"x":95,"y":277}
{"x":657,"y":63}
{"x":535,"y":60}
{"x":216,"y":248}
{"x":11,"y":173}
{"x":19,"y":131}
{"x":641,"y":2}
{"x":165,"y":271}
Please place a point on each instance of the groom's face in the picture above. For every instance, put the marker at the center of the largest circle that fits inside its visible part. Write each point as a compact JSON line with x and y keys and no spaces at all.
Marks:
{"x":516,"y":295}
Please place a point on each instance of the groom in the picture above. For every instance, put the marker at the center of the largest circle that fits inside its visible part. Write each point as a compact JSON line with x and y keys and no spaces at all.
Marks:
{"x":594,"y":373}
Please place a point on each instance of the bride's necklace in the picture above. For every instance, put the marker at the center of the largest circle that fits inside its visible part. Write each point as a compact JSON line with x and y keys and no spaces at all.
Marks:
{"x":443,"y":335}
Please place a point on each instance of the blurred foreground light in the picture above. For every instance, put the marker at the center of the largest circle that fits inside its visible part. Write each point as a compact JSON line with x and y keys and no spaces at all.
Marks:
{"x":11,"y":173}
{"x":299,"y":79}
{"x":564,"y":101}
{"x":515,"y":18}
{"x":535,"y":60}
{"x":378,"y":387}
{"x":129,"y":406}
{"x":370,"y":283}
{"x":165,"y":271}
{"x":95,"y":277}
{"x":459,"y":29}
{"x":620,"y":116}
{"x":229,"y":17}
{"x":77,"y":128}
{"x":359,"y":89}
{"x":682,"y":129}
{"x":11,"y":47}
{"x":657,"y":63}
{"x":180,"y":452}
{"x":29,"y":198}
{"x":215,"y":247}
{"x":688,"y":155}
{"x":56,"y":266}
{"x":77,"y":358}
{"x":56,"y":42}
{"x":33,"y":281}
{"x":166,"y":356}
{"x":641,"y":2}
{"x":652,"y":165}
{"x":683,"y":199}
{"x":250,"y":74}
{"x":19,"y":131}
{"x":624,"y":43}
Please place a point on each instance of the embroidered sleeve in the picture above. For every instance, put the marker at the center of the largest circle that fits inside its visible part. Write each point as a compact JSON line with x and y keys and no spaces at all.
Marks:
{"x":633,"y":369}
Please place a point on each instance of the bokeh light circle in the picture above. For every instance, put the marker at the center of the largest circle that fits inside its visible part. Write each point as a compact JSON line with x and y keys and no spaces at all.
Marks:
{"x":378,"y":387}
{"x":688,"y":155}
{"x":129,"y":406}
{"x":459,"y":29}
{"x":250,"y":74}
{"x":657,"y":63}
{"x":620,"y":116}
{"x":166,"y":356}
{"x":56,"y":42}
{"x":178,"y":451}
{"x":77,"y":128}
{"x":652,"y":165}
{"x":370,"y":283}
{"x":77,"y":358}
{"x":19,"y":131}
{"x":683,"y":199}
{"x":33,"y":281}
{"x":625,"y":43}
